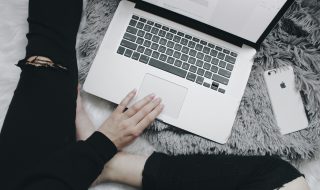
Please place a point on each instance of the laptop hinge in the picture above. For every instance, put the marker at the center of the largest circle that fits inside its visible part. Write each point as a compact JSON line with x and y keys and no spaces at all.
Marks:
{"x":189,"y":22}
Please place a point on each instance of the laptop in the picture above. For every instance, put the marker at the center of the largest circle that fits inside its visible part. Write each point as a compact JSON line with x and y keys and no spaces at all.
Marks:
{"x":194,"y":54}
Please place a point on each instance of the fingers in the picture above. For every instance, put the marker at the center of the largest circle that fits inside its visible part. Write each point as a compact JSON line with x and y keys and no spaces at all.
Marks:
{"x":140,"y":104}
{"x":147,"y":120}
{"x":145,"y":111}
{"x":125,"y":102}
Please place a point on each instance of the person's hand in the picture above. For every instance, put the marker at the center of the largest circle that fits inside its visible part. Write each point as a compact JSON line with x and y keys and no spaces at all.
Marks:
{"x":124,"y":126}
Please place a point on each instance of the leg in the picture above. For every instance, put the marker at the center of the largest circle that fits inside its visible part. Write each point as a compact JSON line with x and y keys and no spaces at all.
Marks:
{"x":40,"y":119}
{"x":160,"y":171}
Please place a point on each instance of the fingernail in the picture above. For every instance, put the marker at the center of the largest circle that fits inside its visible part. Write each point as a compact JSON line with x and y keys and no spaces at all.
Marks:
{"x":157,"y":100}
{"x":151,"y":96}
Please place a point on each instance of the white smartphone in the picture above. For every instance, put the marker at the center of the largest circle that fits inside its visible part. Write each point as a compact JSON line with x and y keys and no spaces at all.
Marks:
{"x":287,"y":103}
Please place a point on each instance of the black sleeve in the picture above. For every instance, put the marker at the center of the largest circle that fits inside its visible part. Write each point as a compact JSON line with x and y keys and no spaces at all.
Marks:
{"x":75,"y":167}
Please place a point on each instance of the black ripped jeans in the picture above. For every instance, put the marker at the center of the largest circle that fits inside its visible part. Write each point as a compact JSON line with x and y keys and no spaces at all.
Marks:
{"x":40,"y":123}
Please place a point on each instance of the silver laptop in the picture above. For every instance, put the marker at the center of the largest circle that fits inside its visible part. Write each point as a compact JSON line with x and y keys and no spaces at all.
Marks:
{"x":194,"y":54}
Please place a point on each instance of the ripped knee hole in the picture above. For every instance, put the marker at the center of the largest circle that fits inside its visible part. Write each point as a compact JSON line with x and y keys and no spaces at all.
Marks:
{"x":39,"y":61}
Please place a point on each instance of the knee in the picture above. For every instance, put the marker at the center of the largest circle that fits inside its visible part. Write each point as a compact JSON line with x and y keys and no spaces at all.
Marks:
{"x":39,"y":61}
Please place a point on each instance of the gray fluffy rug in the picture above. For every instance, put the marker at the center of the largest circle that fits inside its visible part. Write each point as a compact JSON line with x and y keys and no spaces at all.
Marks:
{"x":295,"y":41}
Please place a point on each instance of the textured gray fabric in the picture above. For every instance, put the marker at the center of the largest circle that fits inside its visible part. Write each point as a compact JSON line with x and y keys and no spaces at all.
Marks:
{"x":295,"y":41}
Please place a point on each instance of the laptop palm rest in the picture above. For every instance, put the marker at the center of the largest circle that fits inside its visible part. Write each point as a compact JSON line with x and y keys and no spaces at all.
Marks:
{"x":172,"y":95}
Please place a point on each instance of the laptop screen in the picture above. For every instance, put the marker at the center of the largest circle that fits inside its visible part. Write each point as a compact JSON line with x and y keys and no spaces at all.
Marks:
{"x":247,"y":19}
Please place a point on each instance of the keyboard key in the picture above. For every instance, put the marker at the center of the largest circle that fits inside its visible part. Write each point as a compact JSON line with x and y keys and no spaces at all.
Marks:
{"x":129,"y":45}
{"x":133,"y":23}
{"x":185,"y":50}
{"x":218,"y":48}
{"x":154,"y":46}
{"x":180,"y":34}
{"x":188,"y":37}
{"x":178,"y":63}
{"x":148,"y":36}
{"x":226,"y":51}
{"x":206,"y":85}
{"x":162,"y":33}
{"x":211,"y":45}
{"x":165,"y":67}
{"x":154,"y":30}
{"x":140,"y":49}
{"x":184,"y":41}
{"x":206,"y":50}
{"x":173,"y":31}
{"x":184,"y":57}
{"x":200,"y":72}
{"x":147,"y":28}
{"x":144,"y":59}
{"x":148,"y":52}
{"x":191,"y":76}
{"x":192,"y":52}
{"x":215,"y":61}
{"x":155,"y":39}
{"x":150,"y":22}
{"x":208,"y":74}
{"x":170,"y":44}
{"x":192,"y":60}
{"x":203,"y":42}
{"x":143,"y":20}
{"x":140,"y":41}
{"x":157,"y":25}
{"x":221,"y":56}
{"x":230,"y":59}
{"x":162,"y":49}
{"x":165,"y":28}
{"x":207,"y":58}
{"x":199,"y":63}
{"x":135,"y":55}
{"x":199,"y":47}
{"x":199,"y":80}
{"x":207,"y":66}
{"x":130,"y":37}
{"x":221,"y":90}
{"x":220,"y":79}
{"x":195,"y":39}
{"x":170,"y":60}
{"x":140,"y":25}
{"x":214,"y":53}
{"x":163,"y":57}
{"x":132,"y":30}
{"x":222,"y":64}
{"x":193,"y":69}
{"x":147,"y":43}
{"x":169,"y":36}
{"x":200,"y":55}
{"x":177,"y":39}
{"x":185,"y":66}
{"x":135,"y":17}
{"x":155,"y":54}
{"x":169,"y":52}
{"x":191,"y":44}
{"x":177,"y":47}
{"x":224,"y":73}
{"x":214,"y":69}
{"x":234,"y":54}
{"x":128,"y":53}
{"x":214,"y":85}
{"x":229,"y":67}
{"x":121,"y":50}
{"x":141,"y":33}
{"x":163,"y":41}
{"x":176,"y":54}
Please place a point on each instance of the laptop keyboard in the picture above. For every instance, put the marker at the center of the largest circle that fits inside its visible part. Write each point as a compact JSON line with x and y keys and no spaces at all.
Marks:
{"x":178,"y":53}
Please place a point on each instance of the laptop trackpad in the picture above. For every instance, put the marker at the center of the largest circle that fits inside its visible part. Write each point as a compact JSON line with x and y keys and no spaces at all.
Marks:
{"x":172,"y":95}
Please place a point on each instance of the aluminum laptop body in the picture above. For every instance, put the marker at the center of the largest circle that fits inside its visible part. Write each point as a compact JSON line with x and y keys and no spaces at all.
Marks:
{"x":190,"y":103}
